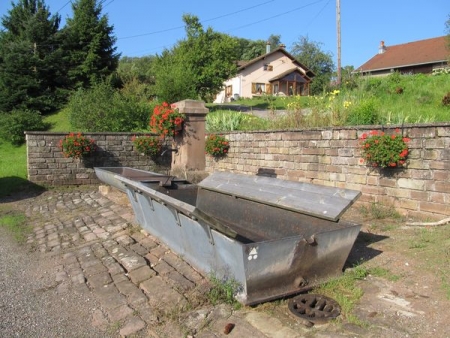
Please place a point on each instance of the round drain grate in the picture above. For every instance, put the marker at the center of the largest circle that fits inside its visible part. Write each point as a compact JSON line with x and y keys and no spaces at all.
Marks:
{"x":314,"y":308}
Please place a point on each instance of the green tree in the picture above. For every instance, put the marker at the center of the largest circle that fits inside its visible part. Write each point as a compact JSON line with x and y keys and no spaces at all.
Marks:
{"x":197,"y":66}
{"x":174,"y":77}
{"x":30,"y":72}
{"x":321,"y":63}
{"x":89,"y":42}
{"x":250,"y":49}
{"x":274,"y":41}
{"x":253,"y":50}
{"x":136,"y":68}
{"x":135,"y":76}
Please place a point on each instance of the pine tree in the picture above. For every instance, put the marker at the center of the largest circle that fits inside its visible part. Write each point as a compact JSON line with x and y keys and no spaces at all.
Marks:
{"x":29,"y":58}
{"x":88,"y":40}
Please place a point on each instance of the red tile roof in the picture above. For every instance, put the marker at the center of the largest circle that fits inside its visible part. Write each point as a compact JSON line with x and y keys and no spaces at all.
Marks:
{"x":409,"y":54}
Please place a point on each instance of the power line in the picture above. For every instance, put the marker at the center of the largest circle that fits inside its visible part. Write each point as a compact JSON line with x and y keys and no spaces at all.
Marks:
{"x":276,"y":16}
{"x":317,"y":15}
{"x":250,"y":24}
{"x":68,"y":2}
{"x":203,"y":21}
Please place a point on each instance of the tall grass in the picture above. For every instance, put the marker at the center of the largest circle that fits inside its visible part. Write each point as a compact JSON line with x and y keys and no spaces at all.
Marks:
{"x":395,"y":99}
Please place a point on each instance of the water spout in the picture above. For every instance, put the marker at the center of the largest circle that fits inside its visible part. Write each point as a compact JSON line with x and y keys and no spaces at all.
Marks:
{"x":169,"y":149}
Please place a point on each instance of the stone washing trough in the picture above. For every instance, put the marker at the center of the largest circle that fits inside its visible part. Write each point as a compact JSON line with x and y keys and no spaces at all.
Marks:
{"x":274,"y":237}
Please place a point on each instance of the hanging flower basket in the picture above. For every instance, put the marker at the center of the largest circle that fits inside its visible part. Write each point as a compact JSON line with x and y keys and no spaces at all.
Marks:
{"x":216,"y":145}
{"x":77,"y":146}
{"x":385,"y":151}
{"x":147,"y":145}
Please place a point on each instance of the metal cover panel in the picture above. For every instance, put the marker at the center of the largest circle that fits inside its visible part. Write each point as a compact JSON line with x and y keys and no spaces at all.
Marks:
{"x":316,"y":200}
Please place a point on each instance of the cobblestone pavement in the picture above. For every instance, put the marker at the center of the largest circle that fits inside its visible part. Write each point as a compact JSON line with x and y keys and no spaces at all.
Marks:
{"x":144,"y":289}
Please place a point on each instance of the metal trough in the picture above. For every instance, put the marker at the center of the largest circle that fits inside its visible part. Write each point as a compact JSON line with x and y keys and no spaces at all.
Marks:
{"x":107,"y":175}
{"x":274,"y":237}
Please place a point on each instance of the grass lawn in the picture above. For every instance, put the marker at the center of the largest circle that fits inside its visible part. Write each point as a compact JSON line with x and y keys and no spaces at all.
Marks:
{"x":13,"y":168}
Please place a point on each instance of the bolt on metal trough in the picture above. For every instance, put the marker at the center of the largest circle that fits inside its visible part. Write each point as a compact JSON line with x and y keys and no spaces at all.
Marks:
{"x":274,"y":237}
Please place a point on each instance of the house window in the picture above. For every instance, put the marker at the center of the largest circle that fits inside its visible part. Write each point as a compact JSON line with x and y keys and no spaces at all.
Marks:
{"x":268,"y":67}
{"x":258,"y":88}
{"x":276,"y":88}
{"x":229,"y":91}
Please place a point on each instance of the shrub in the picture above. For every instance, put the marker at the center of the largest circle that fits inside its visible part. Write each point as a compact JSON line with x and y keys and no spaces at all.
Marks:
{"x":102,"y":108}
{"x":363,"y":113}
{"x":77,"y":145}
{"x":15,"y":123}
{"x":148,"y":145}
{"x":382,"y":150}
{"x":225,"y":121}
{"x":446,"y":100}
{"x":217,"y":145}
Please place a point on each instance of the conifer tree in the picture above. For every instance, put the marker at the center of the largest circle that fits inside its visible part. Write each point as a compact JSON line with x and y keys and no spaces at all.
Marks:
{"x":88,"y":40}
{"x":30,"y":73}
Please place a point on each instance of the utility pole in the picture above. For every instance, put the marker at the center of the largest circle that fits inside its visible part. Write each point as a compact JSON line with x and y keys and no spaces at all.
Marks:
{"x":338,"y":26}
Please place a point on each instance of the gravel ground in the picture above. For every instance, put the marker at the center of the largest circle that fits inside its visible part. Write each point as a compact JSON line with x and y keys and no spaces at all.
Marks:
{"x":31,"y":306}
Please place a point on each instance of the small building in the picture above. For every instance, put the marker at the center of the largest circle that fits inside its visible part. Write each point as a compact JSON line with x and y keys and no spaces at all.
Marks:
{"x":274,"y":73}
{"x":421,"y":56}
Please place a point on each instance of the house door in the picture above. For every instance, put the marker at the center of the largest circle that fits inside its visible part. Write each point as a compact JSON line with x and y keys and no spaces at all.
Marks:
{"x":291,"y":88}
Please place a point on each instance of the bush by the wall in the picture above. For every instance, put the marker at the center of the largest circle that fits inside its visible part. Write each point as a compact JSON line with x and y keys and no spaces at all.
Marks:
{"x":16,"y":122}
{"x":104,"y":109}
{"x":363,"y":113}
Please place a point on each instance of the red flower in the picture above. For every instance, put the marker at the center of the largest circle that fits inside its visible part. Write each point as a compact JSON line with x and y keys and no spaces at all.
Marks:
{"x":165,"y":119}
{"x":404,"y":153}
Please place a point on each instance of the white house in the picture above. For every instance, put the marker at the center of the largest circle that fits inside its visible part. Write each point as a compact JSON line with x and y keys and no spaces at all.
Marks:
{"x":274,"y":73}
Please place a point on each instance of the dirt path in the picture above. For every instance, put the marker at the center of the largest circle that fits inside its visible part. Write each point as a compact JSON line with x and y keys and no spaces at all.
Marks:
{"x":30,"y":304}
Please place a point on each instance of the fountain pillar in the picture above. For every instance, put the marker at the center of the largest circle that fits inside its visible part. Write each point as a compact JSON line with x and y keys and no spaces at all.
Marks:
{"x":190,"y":143}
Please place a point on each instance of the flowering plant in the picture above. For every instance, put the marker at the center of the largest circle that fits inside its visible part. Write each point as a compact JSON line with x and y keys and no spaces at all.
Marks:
{"x":382,"y":150}
{"x":216,"y":145}
{"x":77,"y":145}
{"x":148,"y":145}
{"x":166,"y":120}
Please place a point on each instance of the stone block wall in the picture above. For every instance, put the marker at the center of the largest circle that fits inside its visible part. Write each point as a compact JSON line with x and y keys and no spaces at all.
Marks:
{"x":332,"y":157}
{"x":320,"y":156}
{"x":47,"y":165}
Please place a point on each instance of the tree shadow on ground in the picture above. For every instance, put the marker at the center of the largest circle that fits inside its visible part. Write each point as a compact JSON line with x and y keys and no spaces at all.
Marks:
{"x":13,"y":189}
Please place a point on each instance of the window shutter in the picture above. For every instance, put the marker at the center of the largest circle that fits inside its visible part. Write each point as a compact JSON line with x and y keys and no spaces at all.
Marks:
{"x":268,"y":88}
{"x":253,"y":88}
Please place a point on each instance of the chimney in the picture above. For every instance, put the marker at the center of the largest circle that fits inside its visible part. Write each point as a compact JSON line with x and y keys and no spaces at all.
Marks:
{"x":382,"y":48}
{"x":268,"y":47}
{"x":282,"y":45}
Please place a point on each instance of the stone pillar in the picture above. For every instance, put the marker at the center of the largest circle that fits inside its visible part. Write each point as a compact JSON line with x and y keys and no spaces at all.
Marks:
{"x":190,"y":143}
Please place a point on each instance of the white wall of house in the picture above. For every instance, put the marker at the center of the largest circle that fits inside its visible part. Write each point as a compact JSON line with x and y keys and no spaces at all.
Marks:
{"x":255,"y":73}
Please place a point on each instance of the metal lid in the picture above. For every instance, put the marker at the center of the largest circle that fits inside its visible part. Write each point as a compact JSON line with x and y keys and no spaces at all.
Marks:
{"x":312,"y":199}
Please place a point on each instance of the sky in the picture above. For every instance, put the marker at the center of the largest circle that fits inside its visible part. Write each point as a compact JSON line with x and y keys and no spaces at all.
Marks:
{"x":146,"y":27}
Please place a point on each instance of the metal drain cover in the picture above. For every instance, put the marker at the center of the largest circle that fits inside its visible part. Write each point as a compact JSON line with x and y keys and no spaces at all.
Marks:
{"x":314,"y":308}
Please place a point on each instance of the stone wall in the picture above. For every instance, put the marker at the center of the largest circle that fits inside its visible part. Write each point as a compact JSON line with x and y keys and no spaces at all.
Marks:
{"x":47,"y":165}
{"x":320,"y":156}
{"x":332,"y":157}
